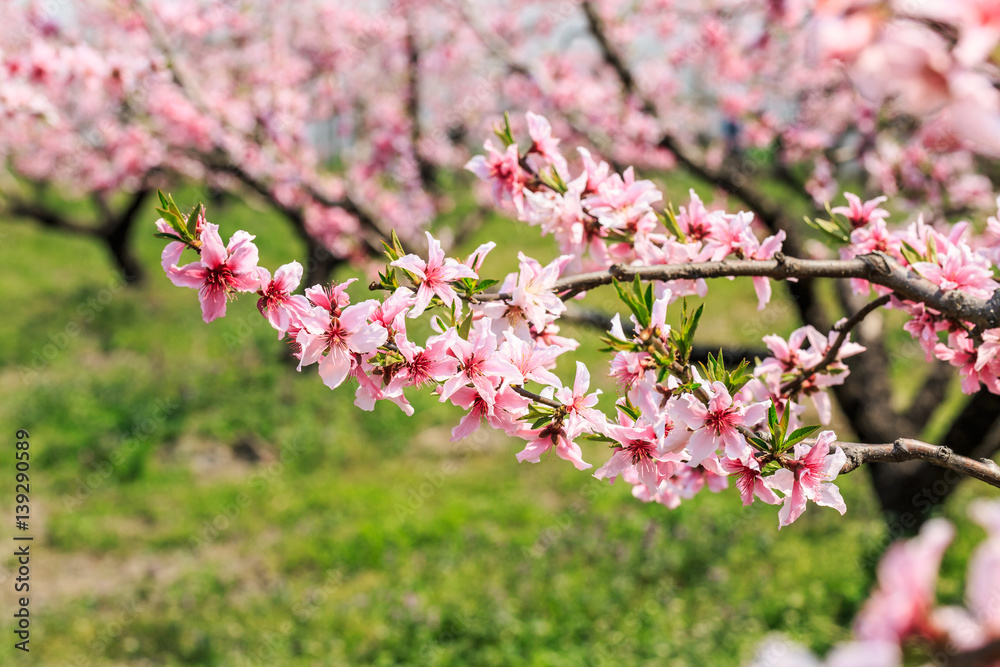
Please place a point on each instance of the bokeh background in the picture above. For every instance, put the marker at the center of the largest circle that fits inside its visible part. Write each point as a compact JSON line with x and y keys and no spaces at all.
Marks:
{"x":196,"y":501}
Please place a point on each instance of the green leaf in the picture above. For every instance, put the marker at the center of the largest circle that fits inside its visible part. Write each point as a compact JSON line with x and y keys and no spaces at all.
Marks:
{"x":799,"y":434}
{"x":396,"y":243}
{"x":669,"y":220}
{"x":172,"y":215}
{"x":785,"y":416}
{"x":192,"y":221}
{"x":597,"y":437}
{"x":771,"y":468}
{"x":831,"y":229}
{"x":504,"y":133}
{"x":693,"y":325}
{"x":484,"y":285}
{"x":772,"y":422}
{"x":628,"y":409}
{"x":169,"y":237}
{"x":551,"y":178}
{"x":465,"y":327}
{"x":542,"y":421}
{"x":910,"y":253}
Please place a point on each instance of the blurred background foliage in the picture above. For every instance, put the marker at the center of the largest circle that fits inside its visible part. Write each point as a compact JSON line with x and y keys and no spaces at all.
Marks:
{"x":198,"y":502}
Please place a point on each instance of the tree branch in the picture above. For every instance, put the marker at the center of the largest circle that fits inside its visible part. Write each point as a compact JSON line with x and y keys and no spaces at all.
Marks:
{"x":47,"y":218}
{"x":876,"y":268}
{"x":906,"y":449}
{"x":842,"y":329}
{"x":537,"y":398}
{"x":981,"y":657}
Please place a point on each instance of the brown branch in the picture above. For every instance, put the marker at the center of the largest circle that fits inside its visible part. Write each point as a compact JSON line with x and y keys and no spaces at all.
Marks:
{"x":47,"y":218}
{"x":537,"y":398}
{"x":842,"y":329}
{"x":426,"y":170}
{"x":906,"y":449}
{"x":611,"y":56}
{"x":876,"y":268}
{"x":981,"y":657}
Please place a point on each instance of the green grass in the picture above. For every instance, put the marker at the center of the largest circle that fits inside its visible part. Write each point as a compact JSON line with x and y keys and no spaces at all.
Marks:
{"x":362,"y":538}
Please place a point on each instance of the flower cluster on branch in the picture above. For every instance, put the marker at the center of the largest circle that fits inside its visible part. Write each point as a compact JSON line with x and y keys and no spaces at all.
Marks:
{"x":674,"y":428}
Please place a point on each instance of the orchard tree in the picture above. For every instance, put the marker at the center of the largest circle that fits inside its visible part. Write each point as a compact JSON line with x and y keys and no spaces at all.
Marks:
{"x":317,"y":112}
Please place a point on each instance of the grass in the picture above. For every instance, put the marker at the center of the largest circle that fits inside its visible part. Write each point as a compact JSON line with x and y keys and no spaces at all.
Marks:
{"x":198,"y":502}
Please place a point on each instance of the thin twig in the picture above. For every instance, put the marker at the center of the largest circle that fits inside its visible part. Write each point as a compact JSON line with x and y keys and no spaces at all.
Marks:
{"x":537,"y":398}
{"x":843,"y":330}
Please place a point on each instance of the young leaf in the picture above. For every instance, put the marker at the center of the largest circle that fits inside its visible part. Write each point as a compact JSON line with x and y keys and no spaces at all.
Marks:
{"x":669,"y":220}
{"x":772,"y":422}
{"x":798,"y":435}
{"x":910,"y":253}
{"x":465,"y":327}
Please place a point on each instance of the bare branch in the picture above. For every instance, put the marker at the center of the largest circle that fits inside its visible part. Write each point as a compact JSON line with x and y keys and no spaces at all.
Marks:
{"x":47,"y":218}
{"x":981,"y":657}
{"x":876,"y":268}
{"x":537,"y":398}
{"x":906,"y":449}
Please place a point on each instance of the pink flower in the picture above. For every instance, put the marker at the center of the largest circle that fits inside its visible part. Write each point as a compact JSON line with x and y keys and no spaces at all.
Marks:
{"x":479,"y":364}
{"x":983,"y":585}
{"x":809,"y":476}
{"x":333,"y":340}
{"x":501,"y":415}
{"x":276,"y":301}
{"x":434,"y":275}
{"x":332,"y":298}
{"x":581,"y":405}
{"x":638,"y":453}
{"x":558,"y":435}
{"x":391,"y":313}
{"x":960,"y":269}
{"x":860,"y":214}
{"x":475,"y":260}
{"x":624,"y":203}
{"x":715,"y":425}
{"x":220,"y":271}
{"x":503,"y":170}
{"x":533,"y":293}
{"x":695,"y":220}
{"x":173,"y":250}
{"x":544,"y":144}
{"x":749,"y":480}
{"x":900,"y":607}
{"x":961,"y":353}
{"x":422,"y":365}
{"x":530,"y":359}
{"x":766,"y":250}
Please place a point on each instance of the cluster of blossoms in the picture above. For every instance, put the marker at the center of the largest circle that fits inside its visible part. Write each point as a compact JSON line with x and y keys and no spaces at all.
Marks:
{"x":673,"y":429}
{"x":901,"y":612}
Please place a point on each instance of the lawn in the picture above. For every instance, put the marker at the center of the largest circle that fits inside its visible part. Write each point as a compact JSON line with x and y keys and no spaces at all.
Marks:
{"x":198,"y":502}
